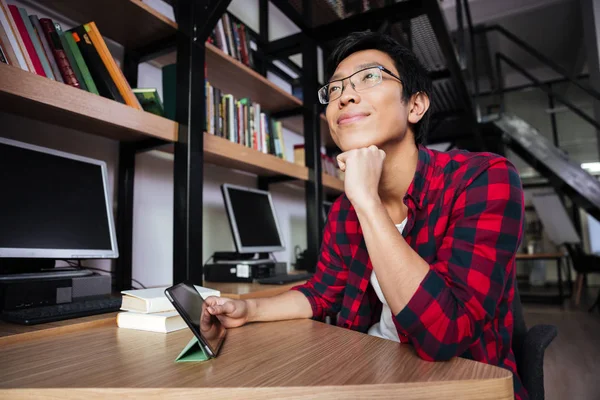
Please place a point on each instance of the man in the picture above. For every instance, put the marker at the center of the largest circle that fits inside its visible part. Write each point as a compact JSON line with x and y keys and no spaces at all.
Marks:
{"x":421,"y":247}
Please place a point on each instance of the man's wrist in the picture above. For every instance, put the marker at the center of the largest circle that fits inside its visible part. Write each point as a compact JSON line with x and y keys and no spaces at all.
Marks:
{"x":368,"y":206}
{"x":252,"y":310}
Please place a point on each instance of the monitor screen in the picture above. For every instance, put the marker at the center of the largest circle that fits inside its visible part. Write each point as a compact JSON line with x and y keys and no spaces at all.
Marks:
{"x":252,"y":218}
{"x":53,"y":205}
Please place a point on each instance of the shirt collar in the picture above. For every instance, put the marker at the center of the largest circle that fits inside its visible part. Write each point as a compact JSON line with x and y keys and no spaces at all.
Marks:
{"x":420,"y":183}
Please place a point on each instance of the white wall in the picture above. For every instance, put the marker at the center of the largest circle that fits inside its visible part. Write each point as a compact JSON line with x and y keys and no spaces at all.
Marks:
{"x":153,"y":187}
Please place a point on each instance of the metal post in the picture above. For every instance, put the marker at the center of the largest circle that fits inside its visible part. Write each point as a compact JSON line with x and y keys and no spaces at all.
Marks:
{"x":188,"y":168}
{"x":263,"y":18}
{"x":500,"y":81}
{"x":312,"y":147}
{"x":474,"y":72}
{"x":553,"y":117}
{"x":125,"y":216}
{"x":460,"y":34}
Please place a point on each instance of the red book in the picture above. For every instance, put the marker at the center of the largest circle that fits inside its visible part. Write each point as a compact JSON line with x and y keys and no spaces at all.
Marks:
{"x":27,"y":40}
{"x":59,"y":53}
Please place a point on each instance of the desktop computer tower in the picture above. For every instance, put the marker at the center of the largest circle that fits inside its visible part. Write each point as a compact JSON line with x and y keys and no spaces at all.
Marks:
{"x":238,"y":272}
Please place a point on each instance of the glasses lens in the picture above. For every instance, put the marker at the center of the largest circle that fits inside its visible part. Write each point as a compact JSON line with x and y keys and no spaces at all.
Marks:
{"x":366,"y":78}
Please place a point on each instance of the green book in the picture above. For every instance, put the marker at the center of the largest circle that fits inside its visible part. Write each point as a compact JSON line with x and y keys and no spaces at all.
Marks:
{"x":150,"y":100}
{"x":169,"y":82}
{"x":85,"y":72}
{"x":70,"y":56}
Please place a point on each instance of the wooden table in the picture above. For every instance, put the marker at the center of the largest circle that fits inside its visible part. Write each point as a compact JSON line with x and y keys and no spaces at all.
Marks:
{"x":247,"y":290}
{"x":558,"y":257}
{"x":287,"y":359}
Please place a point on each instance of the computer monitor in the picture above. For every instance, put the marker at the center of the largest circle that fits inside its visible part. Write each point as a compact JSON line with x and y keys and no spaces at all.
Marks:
{"x":252,"y":219}
{"x":53,"y":205}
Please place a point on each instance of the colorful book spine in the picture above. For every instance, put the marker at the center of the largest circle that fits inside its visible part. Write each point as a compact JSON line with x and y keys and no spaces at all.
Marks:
{"x":113,"y":69}
{"x":104,"y":83}
{"x":60,"y":56}
{"x":35,"y":61}
{"x":36,"y":44}
{"x":46,"y":47}
{"x":70,"y":47}
{"x":9,"y":54}
{"x":14,"y":38}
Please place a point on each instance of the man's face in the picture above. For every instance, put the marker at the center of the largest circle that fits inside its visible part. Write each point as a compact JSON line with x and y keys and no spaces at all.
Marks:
{"x":368,"y":117}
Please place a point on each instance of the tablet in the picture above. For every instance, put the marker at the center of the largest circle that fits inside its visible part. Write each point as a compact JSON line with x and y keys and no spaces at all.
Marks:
{"x":192,"y":308}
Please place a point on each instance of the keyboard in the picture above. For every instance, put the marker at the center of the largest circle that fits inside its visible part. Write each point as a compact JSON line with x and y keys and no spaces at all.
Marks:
{"x":284,"y":279}
{"x":58,"y":312}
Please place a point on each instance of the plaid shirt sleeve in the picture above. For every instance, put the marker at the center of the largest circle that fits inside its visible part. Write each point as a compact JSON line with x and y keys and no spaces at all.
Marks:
{"x":325,"y":289}
{"x":463,"y":287}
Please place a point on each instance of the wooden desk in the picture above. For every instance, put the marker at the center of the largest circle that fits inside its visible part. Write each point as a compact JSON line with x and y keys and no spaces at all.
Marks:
{"x":287,"y":359}
{"x":535,"y":294}
{"x":243,"y":290}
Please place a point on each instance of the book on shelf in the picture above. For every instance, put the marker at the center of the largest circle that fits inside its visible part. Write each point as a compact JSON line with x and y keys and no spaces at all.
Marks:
{"x":76,"y":60}
{"x":163,"y":322}
{"x":13,"y":44}
{"x":46,"y":47}
{"x":60,"y":56}
{"x":232,"y":37}
{"x":149,"y":100}
{"x":153,"y":300}
{"x":78,"y":57}
{"x":100,"y":75}
{"x":28,"y":44}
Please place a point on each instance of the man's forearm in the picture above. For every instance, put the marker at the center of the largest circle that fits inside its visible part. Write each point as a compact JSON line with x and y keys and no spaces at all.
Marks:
{"x":399,"y":268}
{"x":288,"y":305}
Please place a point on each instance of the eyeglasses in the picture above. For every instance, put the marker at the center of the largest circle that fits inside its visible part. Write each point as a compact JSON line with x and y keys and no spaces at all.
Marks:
{"x":360,"y":80}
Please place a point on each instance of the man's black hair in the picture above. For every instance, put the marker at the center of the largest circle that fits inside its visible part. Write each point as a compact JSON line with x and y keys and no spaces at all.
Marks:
{"x":414,"y":76}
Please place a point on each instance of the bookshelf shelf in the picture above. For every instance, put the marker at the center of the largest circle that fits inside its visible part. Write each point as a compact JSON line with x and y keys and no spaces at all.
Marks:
{"x":223,"y":152}
{"x":128,"y":22}
{"x":32,"y":96}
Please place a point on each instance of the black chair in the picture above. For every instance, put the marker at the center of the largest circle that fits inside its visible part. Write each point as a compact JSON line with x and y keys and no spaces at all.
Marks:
{"x":529,"y":346}
{"x":583,"y":264}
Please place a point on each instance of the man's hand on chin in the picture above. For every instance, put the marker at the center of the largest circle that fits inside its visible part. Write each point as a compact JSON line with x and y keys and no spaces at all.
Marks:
{"x":362,"y":169}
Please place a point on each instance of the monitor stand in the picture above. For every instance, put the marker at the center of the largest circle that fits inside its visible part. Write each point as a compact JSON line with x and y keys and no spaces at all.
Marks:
{"x":245,"y":258}
{"x":24,"y":269}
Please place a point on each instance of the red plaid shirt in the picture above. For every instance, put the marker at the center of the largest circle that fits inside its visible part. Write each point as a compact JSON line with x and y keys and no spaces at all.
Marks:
{"x":465,"y":218}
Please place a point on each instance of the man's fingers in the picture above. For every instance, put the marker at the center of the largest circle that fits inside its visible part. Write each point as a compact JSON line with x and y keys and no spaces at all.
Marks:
{"x":225,"y":308}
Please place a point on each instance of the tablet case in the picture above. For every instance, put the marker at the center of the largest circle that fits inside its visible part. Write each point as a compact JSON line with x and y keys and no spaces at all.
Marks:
{"x":192,"y":352}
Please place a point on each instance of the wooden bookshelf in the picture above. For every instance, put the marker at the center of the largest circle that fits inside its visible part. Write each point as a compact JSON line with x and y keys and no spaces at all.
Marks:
{"x":223,"y":152}
{"x":233,"y":77}
{"x":296,"y":124}
{"x":332,"y":185}
{"x":128,"y":22}
{"x":36,"y":97}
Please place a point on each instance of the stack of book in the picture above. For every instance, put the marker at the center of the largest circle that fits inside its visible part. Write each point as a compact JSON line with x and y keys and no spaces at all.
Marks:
{"x":241,"y":121}
{"x":150,"y":310}
{"x":78,"y":57}
{"x":233,"y":39}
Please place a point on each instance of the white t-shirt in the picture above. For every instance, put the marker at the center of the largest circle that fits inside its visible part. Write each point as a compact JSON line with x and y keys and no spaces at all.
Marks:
{"x":385,"y":328}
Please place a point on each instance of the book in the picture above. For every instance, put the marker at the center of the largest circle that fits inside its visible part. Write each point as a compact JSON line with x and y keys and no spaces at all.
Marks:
{"x":153,"y":300}
{"x":164,"y":322}
{"x":8,"y":55}
{"x":150,"y":100}
{"x":75,"y":60}
{"x":60,"y":55}
{"x":27,"y":43}
{"x":104,"y":83}
{"x":14,"y":38}
{"x":113,"y":69}
{"x":37,"y":45}
{"x":46,"y":46}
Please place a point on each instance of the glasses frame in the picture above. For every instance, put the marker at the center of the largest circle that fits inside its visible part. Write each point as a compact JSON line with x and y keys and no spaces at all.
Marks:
{"x":380,"y":67}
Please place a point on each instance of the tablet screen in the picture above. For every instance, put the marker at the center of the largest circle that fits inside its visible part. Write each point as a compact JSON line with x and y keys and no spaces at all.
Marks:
{"x":202,"y":322}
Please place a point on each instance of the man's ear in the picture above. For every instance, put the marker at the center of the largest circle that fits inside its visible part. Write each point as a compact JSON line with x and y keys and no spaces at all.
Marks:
{"x":419,"y":104}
